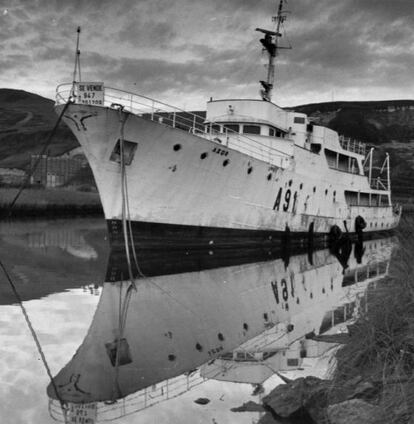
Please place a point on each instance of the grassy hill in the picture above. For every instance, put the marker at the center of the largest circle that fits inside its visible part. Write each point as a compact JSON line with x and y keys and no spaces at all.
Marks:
{"x":375,"y":122}
{"x":26,"y":120}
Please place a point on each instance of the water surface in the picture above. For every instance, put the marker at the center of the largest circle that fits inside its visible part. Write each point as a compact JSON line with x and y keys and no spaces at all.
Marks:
{"x":218,"y":325}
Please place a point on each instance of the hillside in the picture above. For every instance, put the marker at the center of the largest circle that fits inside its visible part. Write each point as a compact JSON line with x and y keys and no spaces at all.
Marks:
{"x":26,"y":120}
{"x":372,"y":122}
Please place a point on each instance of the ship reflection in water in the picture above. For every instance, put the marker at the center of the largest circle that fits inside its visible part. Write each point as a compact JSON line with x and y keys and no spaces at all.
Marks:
{"x":187,"y":318}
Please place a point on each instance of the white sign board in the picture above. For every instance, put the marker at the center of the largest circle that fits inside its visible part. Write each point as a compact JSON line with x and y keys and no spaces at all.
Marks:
{"x":82,"y":413}
{"x":90,"y":93}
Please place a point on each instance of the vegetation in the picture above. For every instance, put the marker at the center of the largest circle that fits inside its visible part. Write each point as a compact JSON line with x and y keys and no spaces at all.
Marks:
{"x":25,"y":123}
{"x":380,"y":352}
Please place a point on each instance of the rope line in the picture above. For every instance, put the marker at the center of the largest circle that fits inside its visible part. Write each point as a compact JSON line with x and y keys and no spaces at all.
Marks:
{"x":35,"y":338}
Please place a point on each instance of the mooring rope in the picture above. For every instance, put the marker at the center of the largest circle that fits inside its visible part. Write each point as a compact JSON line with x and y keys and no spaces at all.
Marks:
{"x":39,"y":158}
{"x":35,"y":338}
{"x":123,"y":305}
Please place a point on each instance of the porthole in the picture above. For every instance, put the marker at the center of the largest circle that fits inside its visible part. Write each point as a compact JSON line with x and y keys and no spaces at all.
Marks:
{"x":249,"y":169}
{"x":314,"y":189}
{"x":226,"y":162}
{"x":326,"y":192}
{"x":265,"y":316}
{"x":171,"y":358}
{"x":203,"y":155}
{"x":290,"y":183}
{"x":300,"y":186}
{"x":245,"y":327}
{"x":269,"y":177}
{"x":199,"y":347}
{"x":177,"y":147}
{"x":220,"y":337}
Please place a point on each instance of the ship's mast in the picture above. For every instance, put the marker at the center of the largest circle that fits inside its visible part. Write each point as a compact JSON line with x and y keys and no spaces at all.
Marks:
{"x":271,"y":45}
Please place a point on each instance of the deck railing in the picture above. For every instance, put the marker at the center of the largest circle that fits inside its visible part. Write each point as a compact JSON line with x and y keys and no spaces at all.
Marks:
{"x":143,"y":399}
{"x":352,"y":145}
{"x":172,"y":116}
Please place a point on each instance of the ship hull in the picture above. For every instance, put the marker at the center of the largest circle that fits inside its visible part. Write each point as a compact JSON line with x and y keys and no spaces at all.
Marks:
{"x":181,"y":187}
{"x":149,"y":235}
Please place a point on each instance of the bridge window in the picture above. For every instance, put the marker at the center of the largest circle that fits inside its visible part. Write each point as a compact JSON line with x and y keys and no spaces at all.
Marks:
{"x":251,"y":129}
{"x":298,"y":120}
{"x":341,"y":162}
{"x":232,"y":127}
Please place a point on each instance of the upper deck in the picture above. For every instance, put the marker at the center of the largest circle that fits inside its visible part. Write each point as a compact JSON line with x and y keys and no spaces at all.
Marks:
{"x":257,"y":128}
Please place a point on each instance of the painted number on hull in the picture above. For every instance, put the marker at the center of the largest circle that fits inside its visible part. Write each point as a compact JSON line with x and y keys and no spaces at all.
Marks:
{"x":284,"y":291}
{"x":284,"y":201}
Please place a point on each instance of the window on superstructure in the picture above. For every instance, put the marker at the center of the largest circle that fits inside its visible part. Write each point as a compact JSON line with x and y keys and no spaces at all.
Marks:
{"x":384,"y":200}
{"x":293,"y":362}
{"x":215,"y":128}
{"x":341,"y":162}
{"x":272,"y":132}
{"x":315,"y":148}
{"x":231,"y":127}
{"x":251,"y":129}
{"x":298,"y":120}
{"x":353,"y":166}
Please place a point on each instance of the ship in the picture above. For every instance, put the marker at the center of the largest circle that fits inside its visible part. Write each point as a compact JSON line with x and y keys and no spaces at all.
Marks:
{"x":155,"y":338}
{"x":247,"y":172}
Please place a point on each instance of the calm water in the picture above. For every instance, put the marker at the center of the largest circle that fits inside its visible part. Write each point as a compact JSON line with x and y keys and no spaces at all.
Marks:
{"x":213,"y":325}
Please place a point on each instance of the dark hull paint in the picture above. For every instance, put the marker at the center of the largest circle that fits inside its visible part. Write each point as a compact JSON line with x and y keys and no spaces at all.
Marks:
{"x":172,"y":236}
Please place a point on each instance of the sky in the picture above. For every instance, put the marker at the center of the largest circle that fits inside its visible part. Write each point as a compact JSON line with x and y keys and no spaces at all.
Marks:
{"x":183,"y":52}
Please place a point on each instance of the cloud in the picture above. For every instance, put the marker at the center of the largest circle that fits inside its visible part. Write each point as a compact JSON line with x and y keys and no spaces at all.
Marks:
{"x":196,"y":48}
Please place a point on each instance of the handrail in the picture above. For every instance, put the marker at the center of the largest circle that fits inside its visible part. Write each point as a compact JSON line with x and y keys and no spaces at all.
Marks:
{"x":175,"y":117}
{"x":135,"y":402}
{"x":352,"y":145}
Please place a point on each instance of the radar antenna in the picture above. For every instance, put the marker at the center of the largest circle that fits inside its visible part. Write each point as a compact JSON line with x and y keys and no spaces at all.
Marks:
{"x":270,"y":44}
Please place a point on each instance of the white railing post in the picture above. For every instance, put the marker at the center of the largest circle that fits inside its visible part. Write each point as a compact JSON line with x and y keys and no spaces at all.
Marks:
{"x":388,"y":172}
{"x":370,"y":166}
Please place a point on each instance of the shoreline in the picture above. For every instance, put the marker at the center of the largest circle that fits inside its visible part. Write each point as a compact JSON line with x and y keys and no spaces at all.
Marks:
{"x":39,"y":202}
